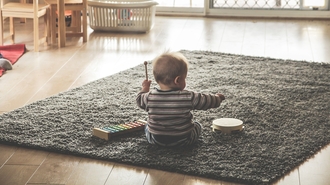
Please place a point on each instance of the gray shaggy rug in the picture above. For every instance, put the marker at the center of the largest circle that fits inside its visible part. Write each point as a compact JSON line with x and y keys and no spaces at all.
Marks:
{"x":285,"y":106}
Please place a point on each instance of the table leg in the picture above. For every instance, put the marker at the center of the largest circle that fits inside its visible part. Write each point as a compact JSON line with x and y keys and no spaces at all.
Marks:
{"x":61,"y":23}
{"x":23,"y":20}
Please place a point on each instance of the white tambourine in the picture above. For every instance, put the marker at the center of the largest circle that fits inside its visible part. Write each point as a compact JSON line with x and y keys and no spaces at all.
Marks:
{"x":227,"y":125}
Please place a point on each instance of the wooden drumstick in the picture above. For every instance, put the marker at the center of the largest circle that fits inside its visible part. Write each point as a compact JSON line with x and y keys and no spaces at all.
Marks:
{"x":146,"y":69}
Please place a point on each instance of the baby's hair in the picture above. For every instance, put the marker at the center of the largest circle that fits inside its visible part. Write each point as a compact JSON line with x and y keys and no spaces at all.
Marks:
{"x":168,"y":66}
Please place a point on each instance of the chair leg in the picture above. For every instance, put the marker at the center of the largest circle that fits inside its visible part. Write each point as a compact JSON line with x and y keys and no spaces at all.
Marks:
{"x":36,"y":34}
{"x":1,"y":29}
{"x":61,"y":24}
{"x":52,"y":22}
{"x":12,"y":29}
{"x":47,"y":27}
{"x":84,"y":12}
{"x":79,"y":23}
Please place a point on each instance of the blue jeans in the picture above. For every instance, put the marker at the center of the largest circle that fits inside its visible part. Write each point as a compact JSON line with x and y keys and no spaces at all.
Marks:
{"x":188,"y":140}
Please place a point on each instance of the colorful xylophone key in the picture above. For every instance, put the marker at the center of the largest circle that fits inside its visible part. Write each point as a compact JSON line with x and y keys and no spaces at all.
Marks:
{"x":111,"y":131}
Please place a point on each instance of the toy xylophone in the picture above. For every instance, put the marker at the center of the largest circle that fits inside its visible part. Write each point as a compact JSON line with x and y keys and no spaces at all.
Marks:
{"x":111,"y":131}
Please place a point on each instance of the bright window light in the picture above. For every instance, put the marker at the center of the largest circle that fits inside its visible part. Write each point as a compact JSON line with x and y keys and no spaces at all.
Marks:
{"x":314,"y":3}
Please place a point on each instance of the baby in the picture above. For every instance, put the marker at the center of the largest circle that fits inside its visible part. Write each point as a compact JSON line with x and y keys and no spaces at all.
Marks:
{"x":170,"y":121}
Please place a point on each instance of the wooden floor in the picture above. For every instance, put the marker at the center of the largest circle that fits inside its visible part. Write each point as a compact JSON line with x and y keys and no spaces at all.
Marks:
{"x":39,"y":75}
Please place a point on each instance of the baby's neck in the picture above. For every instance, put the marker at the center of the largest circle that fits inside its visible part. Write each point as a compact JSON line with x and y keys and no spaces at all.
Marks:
{"x":163,"y":87}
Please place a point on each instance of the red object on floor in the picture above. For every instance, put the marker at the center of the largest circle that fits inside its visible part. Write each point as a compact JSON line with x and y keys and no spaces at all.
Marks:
{"x":11,"y":53}
{"x":2,"y":71}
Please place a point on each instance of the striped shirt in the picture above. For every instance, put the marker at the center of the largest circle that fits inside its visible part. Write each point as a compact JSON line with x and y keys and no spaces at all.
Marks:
{"x":170,"y":111}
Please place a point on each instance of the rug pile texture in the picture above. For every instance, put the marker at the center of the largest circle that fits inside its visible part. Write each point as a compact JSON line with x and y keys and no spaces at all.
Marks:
{"x":284,"y":106}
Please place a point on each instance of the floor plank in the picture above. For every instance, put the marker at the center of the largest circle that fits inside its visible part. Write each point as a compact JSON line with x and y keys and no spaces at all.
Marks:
{"x":24,"y":156}
{"x":157,"y":177}
{"x":56,"y":169}
{"x":89,"y":172}
{"x":126,"y":175}
{"x":16,"y":174}
{"x":6,"y":152}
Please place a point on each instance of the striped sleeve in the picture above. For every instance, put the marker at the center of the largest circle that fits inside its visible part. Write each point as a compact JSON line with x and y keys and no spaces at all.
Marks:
{"x":203,"y":101}
{"x":141,"y":100}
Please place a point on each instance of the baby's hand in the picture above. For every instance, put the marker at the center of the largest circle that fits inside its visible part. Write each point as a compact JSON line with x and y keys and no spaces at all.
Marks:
{"x":146,"y":85}
{"x":222,"y":97}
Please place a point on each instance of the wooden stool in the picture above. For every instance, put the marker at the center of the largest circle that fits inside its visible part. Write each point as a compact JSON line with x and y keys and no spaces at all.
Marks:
{"x":76,"y":9}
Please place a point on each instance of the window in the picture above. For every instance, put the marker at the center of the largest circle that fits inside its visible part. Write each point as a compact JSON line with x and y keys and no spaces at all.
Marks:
{"x":248,"y":8}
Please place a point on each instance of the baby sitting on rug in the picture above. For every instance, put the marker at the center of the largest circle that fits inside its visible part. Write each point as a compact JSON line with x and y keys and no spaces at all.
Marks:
{"x":170,"y":121}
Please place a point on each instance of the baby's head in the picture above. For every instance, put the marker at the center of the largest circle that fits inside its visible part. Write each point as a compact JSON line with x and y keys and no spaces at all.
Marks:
{"x":170,"y":69}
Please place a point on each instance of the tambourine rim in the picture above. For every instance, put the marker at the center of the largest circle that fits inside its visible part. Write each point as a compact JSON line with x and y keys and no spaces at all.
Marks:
{"x":239,"y":122}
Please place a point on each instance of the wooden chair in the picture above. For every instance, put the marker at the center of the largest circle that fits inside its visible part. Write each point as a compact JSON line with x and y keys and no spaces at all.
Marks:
{"x":78,"y":26}
{"x":33,"y":10}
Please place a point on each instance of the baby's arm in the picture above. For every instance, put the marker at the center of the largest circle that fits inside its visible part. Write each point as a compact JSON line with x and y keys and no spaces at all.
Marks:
{"x":203,"y":101}
{"x":141,"y":97}
{"x":145,"y":86}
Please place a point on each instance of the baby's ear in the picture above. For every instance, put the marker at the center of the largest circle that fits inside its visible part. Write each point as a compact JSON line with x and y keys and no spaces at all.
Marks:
{"x":176,"y":80}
